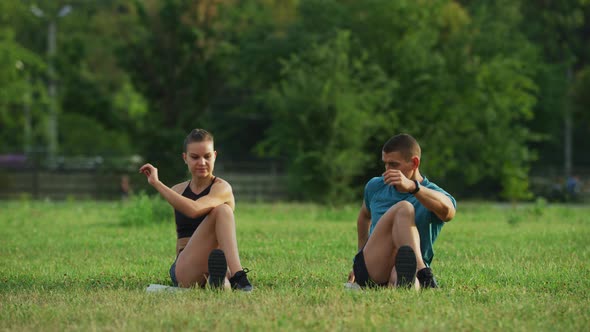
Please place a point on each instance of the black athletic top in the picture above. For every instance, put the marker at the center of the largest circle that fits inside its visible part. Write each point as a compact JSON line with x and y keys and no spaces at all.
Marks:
{"x":185,"y":226}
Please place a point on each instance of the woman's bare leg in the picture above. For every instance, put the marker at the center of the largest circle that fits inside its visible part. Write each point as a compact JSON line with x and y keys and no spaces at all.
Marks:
{"x":218,"y":230}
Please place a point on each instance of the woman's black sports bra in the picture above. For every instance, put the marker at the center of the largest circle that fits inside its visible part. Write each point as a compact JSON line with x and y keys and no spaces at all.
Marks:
{"x":185,"y":226}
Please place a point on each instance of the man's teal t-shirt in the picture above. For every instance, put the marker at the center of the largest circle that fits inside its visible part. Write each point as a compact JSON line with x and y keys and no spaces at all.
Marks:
{"x":379,"y":197}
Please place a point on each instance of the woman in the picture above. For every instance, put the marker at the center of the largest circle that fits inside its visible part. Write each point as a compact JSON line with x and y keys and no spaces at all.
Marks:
{"x":205,"y":225}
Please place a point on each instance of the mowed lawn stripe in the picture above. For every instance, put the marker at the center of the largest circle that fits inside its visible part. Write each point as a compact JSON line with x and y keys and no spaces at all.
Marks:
{"x":76,"y":266}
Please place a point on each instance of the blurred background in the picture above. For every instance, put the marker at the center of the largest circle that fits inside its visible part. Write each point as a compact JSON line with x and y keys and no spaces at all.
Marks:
{"x":300,"y":95}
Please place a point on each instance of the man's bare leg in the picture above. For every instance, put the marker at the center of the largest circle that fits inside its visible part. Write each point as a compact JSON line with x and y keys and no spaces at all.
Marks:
{"x":396,"y":228}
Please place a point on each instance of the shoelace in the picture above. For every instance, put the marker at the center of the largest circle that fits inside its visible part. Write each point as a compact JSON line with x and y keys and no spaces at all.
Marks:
{"x":240,"y":278}
{"x":243,"y":280}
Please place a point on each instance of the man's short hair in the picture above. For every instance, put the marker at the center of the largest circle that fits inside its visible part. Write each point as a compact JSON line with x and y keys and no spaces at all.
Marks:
{"x":197,"y":135}
{"x":405,"y":144}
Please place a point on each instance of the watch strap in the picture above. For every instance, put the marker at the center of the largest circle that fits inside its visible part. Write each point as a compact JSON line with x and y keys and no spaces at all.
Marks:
{"x":417,"y":187}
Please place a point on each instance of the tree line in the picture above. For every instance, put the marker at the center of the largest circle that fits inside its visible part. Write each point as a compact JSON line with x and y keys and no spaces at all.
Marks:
{"x":490,"y":89}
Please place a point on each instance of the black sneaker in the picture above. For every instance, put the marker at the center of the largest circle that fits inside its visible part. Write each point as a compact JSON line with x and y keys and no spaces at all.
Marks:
{"x":405,"y":266}
{"x":426,"y":278}
{"x":240,"y":281}
{"x":217,"y":268}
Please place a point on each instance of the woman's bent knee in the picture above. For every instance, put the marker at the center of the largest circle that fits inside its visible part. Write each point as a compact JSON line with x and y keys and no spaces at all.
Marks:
{"x":222,"y":209}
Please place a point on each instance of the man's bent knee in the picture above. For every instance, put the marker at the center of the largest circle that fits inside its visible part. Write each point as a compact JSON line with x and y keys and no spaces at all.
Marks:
{"x":402,"y":208}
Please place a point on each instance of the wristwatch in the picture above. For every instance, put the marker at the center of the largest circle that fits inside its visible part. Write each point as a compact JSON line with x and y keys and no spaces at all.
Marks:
{"x":417,"y":188}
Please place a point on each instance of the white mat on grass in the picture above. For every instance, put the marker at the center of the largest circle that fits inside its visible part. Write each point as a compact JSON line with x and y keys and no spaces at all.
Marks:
{"x":352,"y":286}
{"x":154,"y":288}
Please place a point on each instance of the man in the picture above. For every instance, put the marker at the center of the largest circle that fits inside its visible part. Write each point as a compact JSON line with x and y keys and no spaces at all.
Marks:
{"x":401,"y":217}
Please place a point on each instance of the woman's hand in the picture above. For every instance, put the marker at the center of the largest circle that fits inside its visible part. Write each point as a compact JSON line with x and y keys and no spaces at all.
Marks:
{"x":150,"y":172}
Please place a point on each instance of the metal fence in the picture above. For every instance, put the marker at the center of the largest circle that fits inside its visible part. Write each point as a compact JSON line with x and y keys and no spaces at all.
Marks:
{"x":107,"y":179}
{"x":551,"y":184}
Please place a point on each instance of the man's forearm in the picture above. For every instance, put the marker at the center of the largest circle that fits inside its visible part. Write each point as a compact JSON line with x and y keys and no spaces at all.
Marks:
{"x":436,"y":202}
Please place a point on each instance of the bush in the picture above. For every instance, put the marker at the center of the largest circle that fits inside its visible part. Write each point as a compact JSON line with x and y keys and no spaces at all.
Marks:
{"x":142,"y":210}
{"x":326,"y":107}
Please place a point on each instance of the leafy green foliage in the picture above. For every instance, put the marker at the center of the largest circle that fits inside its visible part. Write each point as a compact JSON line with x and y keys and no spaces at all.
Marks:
{"x":141,"y":210}
{"x":86,"y":136}
{"x":560,"y":31}
{"x":581,"y":97}
{"x":321,"y":84}
{"x":445,"y":81}
{"x":18,"y":66}
{"x":323,"y":110}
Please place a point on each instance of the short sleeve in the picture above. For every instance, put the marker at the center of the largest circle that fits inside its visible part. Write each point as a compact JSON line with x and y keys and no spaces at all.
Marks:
{"x":433,"y":217}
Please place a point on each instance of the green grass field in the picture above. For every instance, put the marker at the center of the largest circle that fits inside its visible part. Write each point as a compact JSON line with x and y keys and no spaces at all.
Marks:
{"x":74,"y":266}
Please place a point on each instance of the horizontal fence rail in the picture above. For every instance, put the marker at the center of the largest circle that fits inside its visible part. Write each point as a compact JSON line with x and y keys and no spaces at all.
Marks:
{"x":102,"y":179}
{"x":250,"y":182}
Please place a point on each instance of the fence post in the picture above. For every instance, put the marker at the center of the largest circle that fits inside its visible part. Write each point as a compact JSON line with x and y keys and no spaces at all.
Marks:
{"x":36,"y":165}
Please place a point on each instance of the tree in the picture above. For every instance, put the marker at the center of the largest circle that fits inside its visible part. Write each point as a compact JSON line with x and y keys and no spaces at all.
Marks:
{"x":497,"y":100}
{"x":92,"y":87}
{"x":19,"y":112}
{"x":460,"y":82}
{"x":169,"y":50}
{"x":560,"y":29}
{"x":324,"y":109}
